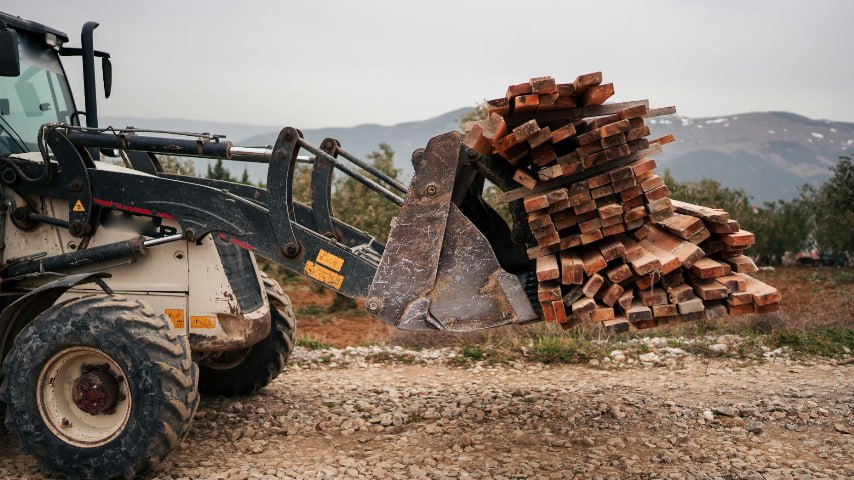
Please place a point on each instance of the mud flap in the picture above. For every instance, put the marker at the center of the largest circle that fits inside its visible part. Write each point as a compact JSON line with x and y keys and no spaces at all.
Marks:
{"x":438,"y":271}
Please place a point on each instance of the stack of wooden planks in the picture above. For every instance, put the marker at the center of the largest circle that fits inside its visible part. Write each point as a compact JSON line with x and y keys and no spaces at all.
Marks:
{"x":609,"y":243}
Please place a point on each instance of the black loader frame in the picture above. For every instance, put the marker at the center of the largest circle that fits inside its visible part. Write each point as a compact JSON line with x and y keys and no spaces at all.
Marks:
{"x":449,"y":262}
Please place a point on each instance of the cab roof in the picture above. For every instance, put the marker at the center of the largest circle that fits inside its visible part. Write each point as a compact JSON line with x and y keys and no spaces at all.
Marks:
{"x":19,"y":23}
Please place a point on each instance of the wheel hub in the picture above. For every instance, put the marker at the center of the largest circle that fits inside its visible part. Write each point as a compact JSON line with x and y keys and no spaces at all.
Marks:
{"x":95,"y":392}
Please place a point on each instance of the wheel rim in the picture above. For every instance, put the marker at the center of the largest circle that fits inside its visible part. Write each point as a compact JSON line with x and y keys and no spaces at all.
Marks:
{"x":83,"y":397}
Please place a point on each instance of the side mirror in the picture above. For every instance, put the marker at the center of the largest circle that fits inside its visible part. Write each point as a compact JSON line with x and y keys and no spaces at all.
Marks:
{"x":10,"y":62}
{"x":107,"y":70}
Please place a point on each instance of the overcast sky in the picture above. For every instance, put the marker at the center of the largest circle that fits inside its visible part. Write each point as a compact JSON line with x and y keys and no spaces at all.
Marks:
{"x":322,"y":63}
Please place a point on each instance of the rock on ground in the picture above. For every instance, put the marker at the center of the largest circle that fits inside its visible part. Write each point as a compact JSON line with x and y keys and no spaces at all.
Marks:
{"x":705,"y":418}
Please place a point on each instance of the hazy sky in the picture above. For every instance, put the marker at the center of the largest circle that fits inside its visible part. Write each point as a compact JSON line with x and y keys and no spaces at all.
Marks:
{"x":322,"y":63}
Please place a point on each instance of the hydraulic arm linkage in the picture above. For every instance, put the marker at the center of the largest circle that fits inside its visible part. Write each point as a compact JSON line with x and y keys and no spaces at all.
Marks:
{"x":449,"y":262}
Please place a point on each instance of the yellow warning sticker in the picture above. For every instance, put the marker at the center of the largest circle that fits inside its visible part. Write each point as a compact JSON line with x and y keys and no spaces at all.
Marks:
{"x":329,"y":260}
{"x":323,"y":274}
{"x":202,"y":321}
{"x":177,"y":317}
{"x":78,"y":207}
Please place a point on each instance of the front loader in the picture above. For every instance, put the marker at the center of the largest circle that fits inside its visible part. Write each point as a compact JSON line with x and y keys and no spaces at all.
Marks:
{"x":125,"y":289}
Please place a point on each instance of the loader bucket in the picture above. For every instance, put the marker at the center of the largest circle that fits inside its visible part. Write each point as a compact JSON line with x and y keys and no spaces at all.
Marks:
{"x":438,"y":271}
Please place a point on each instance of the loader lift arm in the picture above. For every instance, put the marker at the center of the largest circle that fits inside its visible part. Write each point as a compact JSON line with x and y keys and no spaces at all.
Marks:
{"x":438,"y":270}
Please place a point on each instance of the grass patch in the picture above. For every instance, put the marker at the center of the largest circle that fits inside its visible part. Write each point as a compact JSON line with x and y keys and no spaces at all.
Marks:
{"x":550,"y":344}
{"x":826,"y":341}
{"x":312,"y":344}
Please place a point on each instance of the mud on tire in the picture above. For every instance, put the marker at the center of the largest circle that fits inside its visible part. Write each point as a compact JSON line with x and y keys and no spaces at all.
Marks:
{"x":252,"y":369}
{"x":157,"y":374}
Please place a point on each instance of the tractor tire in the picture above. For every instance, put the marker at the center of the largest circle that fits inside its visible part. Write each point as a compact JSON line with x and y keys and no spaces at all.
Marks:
{"x":245,"y":371}
{"x":100,"y":387}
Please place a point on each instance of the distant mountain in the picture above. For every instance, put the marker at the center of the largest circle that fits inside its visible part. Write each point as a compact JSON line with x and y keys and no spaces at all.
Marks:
{"x":768,"y":154}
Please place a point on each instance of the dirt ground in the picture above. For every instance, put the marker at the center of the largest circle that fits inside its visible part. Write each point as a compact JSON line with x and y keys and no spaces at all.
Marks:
{"x":812,"y":297}
{"x":718,"y":418}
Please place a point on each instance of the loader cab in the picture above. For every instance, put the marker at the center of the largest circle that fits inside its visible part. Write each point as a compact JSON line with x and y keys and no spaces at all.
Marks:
{"x":37,"y":91}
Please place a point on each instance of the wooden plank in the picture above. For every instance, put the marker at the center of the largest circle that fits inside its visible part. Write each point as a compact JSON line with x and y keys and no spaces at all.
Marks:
{"x":579,"y":193}
{"x":740,"y":298}
{"x":617,"y":325}
{"x":592,"y":236}
{"x":543,"y":155}
{"x":602,"y":191}
{"x":619,"y":273}
{"x":680,"y":293}
{"x":500,"y":106}
{"x":547,"y":268}
{"x":669,"y":261}
{"x":548,"y":312}
{"x":559,"y":311}
{"x":580,"y":112}
{"x":615,"y":229}
{"x":525,"y":130}
{"x":563,"y":133}
{"x":691,"y":306}
{"x":741,"y":264}
{"x":651,"y":183}
{"x":571,"y":269}
{"x":612,"y":249}
{"x":592,"y":285}
{"x":638,"y":111}
{"x":520,"y":89}
{"x":657,"y":194}
{"x":613,"y":129}
{"x":539,"y":219}
{"x":543,"y":85}
{"x":715,"y":215}
{"x":626,"y":299}
{"x":636,"y":133}
{"x":548,"y":292}
{"x":540,"y":137}
{"x":683,"y":226}
{"x":742,"y":309}
{"x":733,"y":283}
{"x":583,"y":306}
{"x":730,"y":226}
{"x":706,"y":268}
{"x":585,"y":81}
{"x":763,"y":294}
{"x":476,"y":141}
{"x":711,"y":291}
{"x":598,"y":94}
{"x":654,"y":296}
{"x":637,"y":312}
{"x":526,"y":103}
{"x":610,"y":294}
{"x":602,"y":314}
{"x":664,"y":310}
{"x":521,"y":192}
{"x":664,"y":140}
{"x":535,"y":202}
{"x":625,"y":184}
{"x":524,"y":177}
{"x":593,"y":260}
{"x":741,"y":238}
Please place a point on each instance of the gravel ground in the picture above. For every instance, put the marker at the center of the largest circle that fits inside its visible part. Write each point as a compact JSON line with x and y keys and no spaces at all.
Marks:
{"x":358,"y":413}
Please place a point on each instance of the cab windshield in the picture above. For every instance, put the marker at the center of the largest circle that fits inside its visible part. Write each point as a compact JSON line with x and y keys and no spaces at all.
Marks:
{"x":37,"y":96}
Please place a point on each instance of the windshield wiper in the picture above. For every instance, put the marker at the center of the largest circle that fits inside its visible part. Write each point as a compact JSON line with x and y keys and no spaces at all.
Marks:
{"x":14,"y":135}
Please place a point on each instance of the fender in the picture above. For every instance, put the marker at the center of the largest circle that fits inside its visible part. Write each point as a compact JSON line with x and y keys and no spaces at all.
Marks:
{"x":18,"y":314}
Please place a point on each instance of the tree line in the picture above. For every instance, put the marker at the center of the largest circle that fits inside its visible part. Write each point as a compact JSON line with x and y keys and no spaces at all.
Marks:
{"x":819,"y":218}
